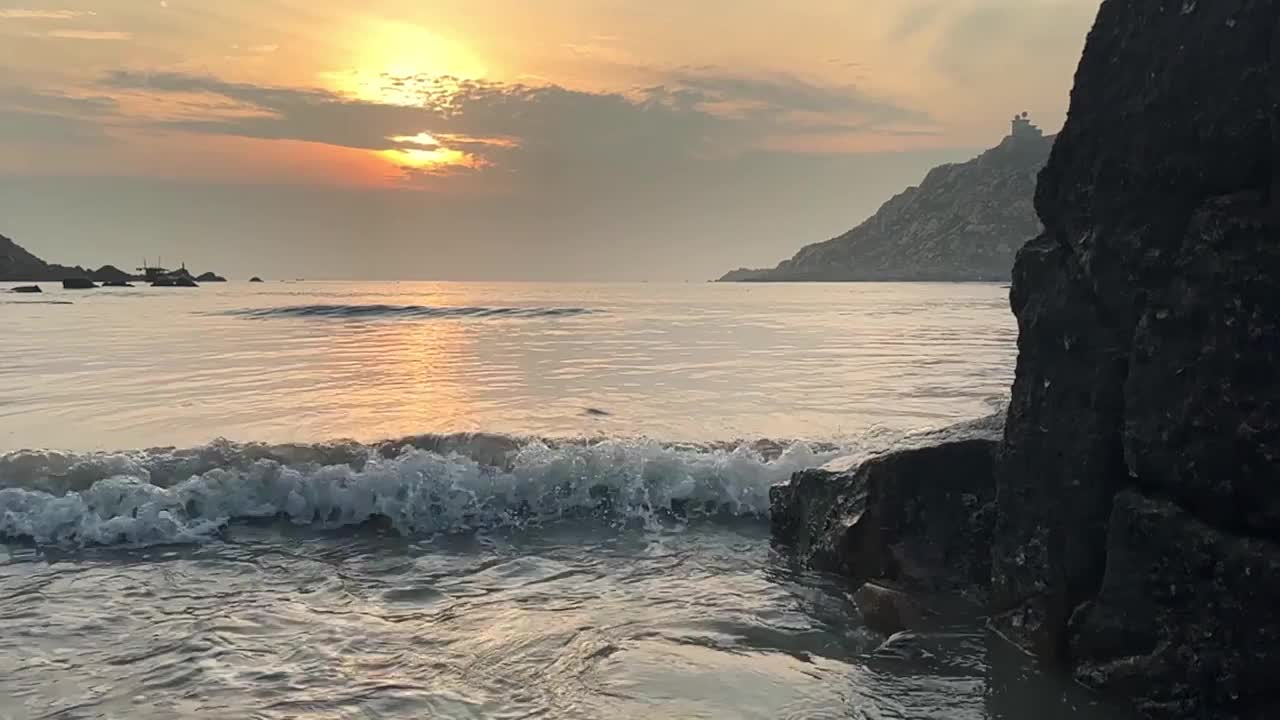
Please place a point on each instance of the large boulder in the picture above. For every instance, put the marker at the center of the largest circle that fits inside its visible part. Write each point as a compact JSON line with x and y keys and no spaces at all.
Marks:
{"x":1143,"y":438}
{"x":918,"y":517}
{"x":1185,"y":621}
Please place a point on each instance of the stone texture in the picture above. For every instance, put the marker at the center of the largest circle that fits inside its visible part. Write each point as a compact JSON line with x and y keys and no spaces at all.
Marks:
{"x":1148,"y":344}
{"x":888,"y":610}
{"x":1185,"y":621}
{"x":919,"y":518}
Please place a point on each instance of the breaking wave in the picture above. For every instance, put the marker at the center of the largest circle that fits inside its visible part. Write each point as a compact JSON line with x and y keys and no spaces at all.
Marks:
{"x":423,"y":485}
{"x":408,"y":311}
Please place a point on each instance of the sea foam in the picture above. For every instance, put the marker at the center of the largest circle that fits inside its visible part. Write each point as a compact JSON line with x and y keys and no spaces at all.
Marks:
{"x":424,"y":485}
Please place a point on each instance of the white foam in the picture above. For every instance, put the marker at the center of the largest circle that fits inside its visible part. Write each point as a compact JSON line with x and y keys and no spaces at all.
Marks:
{"x":138,"y":498}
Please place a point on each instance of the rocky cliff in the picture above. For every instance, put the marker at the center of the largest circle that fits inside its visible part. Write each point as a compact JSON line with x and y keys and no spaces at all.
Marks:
{"x":1138,"y":516}
{"x":965,"y":221}
{"x":1135,"y":526}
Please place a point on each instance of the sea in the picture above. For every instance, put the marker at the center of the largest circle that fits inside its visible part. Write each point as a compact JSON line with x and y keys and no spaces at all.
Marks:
{"x":474,"y":500}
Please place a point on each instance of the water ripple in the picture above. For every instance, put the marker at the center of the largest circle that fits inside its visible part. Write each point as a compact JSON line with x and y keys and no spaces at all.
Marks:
{"x":406,"y":311}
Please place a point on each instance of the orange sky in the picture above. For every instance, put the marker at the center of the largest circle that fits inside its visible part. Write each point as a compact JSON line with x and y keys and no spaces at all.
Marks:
{"x":964,"y":64}
{"x":516,"y":98}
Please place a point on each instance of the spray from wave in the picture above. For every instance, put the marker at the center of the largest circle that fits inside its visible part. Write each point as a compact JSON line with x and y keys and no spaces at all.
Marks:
{"x":423,"y":485}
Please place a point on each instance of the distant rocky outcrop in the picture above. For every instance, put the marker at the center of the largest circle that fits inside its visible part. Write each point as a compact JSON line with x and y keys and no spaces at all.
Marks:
{"x":110,"y":274}
{"x":966,"y":221}
{"x":255,"y":279}
{"x":18,"y":265}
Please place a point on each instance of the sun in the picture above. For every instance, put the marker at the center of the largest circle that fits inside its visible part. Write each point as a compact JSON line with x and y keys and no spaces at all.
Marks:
{"x":397,"y":63}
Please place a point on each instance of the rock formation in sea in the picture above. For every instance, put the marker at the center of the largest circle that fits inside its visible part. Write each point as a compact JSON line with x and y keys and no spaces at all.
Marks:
{"x":111,"y":274}
{"x":1135,"y":526}
{"x":210,"y":277}
{"x":965,"y":221}
{"x":18,"y":265}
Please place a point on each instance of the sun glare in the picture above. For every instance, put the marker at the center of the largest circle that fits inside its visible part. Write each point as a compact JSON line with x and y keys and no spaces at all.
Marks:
{"x":393,"y":61}
{"x":396,"y":63}
{"x":437,"y":159}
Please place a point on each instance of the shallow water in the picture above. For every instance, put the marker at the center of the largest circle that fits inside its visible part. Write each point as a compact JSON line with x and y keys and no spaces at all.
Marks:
{"x":574,"y":621}
{"x":599,"y":550}
{"x":308,"y":362}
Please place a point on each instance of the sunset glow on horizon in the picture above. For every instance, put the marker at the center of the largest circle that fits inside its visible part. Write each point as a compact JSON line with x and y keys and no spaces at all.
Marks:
{"x":659,"y":113}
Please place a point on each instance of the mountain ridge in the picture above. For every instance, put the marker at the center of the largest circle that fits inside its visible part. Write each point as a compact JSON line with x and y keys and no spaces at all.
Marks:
{"x":963,"y":222}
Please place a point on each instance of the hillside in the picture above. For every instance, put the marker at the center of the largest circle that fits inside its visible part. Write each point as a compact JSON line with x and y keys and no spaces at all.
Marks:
{"x":19,"y":265}
{"x":16,"y":264}
{"x":966,"y":221}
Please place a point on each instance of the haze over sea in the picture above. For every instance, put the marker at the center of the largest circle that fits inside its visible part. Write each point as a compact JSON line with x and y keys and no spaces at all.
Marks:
{"x":205,"y":510}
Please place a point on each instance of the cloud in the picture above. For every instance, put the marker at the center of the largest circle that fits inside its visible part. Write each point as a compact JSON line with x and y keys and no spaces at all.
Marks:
{"x":27,"y":116}
{"x":694,"y":109}
{"x":918,"y":17}
{"x":27,"y":14}
{"x":88,"y":35}
{"x":966,"y":52}
{"x":783,"y":94}
{"x":544,"y":136}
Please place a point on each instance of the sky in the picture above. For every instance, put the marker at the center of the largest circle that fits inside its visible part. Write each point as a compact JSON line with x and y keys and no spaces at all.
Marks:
{"x":498,"y":139}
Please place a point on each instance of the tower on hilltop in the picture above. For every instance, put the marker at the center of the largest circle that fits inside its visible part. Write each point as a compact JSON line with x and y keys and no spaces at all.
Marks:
{"x":1024,"y":128}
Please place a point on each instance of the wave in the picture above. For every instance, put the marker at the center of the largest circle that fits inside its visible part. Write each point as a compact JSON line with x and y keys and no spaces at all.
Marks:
{"x":407,"y":311}
{"x":422,"y":485}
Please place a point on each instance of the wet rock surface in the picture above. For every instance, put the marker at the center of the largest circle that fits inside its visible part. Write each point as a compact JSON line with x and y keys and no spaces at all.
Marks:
{"x":919,"y":518}
{"x":1135,"y":527}
{"x":1138,"y":502}
{"x":1185,"y":620}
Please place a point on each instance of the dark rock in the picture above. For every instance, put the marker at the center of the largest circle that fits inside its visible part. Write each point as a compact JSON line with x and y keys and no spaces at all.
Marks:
{"x":210,"y":277}
{"x":80,"y":283}
{"x":17,"y":265}
{"x":110,"y":274}
{"x":1148,"y":343}
{"x":26,"y":289}
{"x":888,"y":610}
{"x":1185,"y":621}
{"x":964,"y":222}
{"x":1061,"y":454}
{"x":174,"y":280}
{"x":1203,"y":392}
{"x":920,"y":517}
{"x":117,"y":283}
{"x":255,"y":279}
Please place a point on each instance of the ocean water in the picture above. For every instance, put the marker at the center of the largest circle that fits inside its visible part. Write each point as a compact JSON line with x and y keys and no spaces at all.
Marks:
{"x":369,"y":500}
